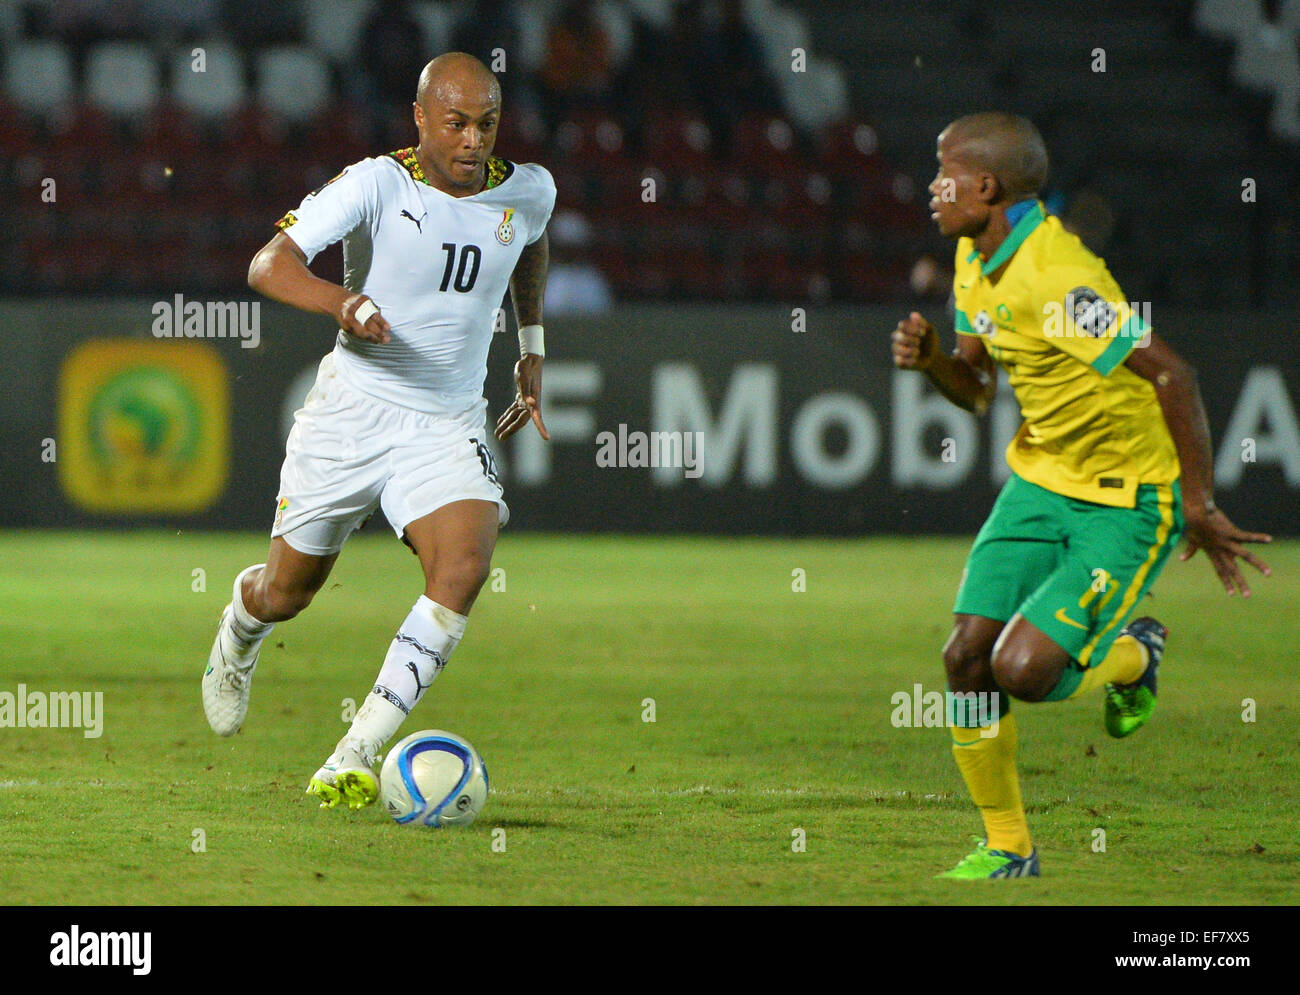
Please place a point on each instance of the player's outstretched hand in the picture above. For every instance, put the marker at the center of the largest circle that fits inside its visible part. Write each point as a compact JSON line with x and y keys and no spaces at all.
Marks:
{"x":372,"y":326}
{"x":1222,"y":542}
{"x":527,"y":403}
{"x":914,"y":342}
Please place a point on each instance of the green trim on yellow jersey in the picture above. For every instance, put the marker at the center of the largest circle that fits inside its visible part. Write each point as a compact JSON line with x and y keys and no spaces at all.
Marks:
{"x":1118,"y":350}
{"x":1049,"y":312}
{"x":1127,"y":337}
{"x":1015,"y":238}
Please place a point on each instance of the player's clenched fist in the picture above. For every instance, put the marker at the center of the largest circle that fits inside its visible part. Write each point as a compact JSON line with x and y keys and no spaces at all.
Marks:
{"x":914,"y":342}
{"x":360,"y":318}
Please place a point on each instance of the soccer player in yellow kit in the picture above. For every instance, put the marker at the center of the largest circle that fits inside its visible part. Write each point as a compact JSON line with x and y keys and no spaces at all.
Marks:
{"x":1110,"y":467}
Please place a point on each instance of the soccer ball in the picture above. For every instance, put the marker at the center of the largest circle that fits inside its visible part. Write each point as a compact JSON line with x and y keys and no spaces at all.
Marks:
{"x":433,"y":778}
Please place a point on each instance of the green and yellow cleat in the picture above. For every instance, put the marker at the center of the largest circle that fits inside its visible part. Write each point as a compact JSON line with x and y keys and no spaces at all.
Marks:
{"x":1129,"y":706}
{"x":348,"y":777}
{"x":992,"y":865}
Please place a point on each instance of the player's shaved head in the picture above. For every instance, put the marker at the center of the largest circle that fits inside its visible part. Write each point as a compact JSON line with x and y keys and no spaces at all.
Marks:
{"x":1005,"y":145}
{"x":457,"y":76}
{"x":457,"y":109}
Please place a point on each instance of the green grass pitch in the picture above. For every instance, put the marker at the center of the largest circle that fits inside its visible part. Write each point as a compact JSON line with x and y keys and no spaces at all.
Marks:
{"x":771,"y":726}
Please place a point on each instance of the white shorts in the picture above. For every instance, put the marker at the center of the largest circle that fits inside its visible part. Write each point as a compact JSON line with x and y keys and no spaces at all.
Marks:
{"x":349,"y":453}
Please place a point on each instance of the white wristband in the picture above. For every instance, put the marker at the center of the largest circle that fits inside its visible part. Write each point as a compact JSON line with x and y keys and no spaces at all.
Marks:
{"x":366,"y":311}
{"x":531,"y":339}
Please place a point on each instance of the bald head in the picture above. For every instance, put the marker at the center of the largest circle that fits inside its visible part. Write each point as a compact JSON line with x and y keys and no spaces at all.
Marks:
{"x":1005,"y":145}
{"x":457,"y":110}
{"x":455,"y":78}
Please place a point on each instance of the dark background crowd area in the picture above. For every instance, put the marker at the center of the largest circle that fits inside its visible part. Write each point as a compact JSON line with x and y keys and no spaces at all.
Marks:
{"x":789,"y":144}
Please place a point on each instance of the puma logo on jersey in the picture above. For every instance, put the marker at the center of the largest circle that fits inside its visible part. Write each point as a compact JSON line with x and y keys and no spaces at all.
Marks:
{"x":418,"y":221}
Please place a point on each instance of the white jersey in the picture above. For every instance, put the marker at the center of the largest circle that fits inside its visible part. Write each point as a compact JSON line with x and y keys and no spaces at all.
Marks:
{"x":435,"y":265}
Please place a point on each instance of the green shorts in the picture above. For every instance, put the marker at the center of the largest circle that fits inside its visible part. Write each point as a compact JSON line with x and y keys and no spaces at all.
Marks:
{"x":1074,"y":569}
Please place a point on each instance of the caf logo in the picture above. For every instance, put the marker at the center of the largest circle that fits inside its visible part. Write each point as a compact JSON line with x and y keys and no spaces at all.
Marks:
{"x":983,"y":324}
{"x":1092,"y":315}
{"x":505,"y":230}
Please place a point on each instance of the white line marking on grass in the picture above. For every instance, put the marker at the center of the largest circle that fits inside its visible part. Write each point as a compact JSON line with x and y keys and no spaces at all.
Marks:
{"x":705,"y":789}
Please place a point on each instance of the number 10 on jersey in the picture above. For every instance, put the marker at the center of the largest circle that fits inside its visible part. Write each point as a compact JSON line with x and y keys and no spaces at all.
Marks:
{"x":470,"y":256}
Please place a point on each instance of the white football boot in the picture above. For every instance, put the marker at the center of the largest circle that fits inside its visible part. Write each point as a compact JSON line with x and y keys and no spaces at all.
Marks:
{"x":228,"y":680}
{"x":348,"y":776}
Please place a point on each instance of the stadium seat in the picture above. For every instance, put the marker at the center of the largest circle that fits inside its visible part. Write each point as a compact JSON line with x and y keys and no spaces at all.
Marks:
{"x":521,"y":135}
{"x":122,"y":77}
{"x":817,"y":97}
{"x":1266,"y":61}
{"x":293,"y":82}
{"x":85,"y":131}
{"x":801,"y":201}
{"x":1284,"y":121}
{"x":338,"y":136}
{"x":782,"y":30}
{"x":674,"y":139}
{"x":870,"y":276}
{"x":767,"y":145}
{"x":616,"y":22}
{"x":248,"y":133}
{"x":11,"y":20}
{"x":216,"y":91}
{"x":1227,"y":19}
{"x":850,"y":152}
{"x":38,"y":76}
{"x":1289,"y":16}
{"x":438,"y":21}
{"x":729,"y":201}
{"x":16,"y":133}
{"x":656,"y":13}
{"x":534,"y":29}
{"x":169,"y":129}
{"x":333,"y":27}
{"x":593,"y":140}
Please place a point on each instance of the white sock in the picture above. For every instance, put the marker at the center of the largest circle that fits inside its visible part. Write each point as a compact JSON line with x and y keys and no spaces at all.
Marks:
{"x":243,"y":634}
{"x":416,"y":656}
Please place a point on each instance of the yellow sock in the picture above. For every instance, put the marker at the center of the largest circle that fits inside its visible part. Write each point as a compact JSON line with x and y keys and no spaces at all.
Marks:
{"x":988,"y":765}
{"x":1124,"y":664}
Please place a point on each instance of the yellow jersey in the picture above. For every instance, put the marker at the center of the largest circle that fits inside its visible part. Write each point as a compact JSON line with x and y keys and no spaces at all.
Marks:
{"x":1056,"y":321}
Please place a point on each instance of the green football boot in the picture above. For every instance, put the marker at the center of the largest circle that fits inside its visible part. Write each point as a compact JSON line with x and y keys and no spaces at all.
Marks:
{"x":1129,"y":706}
{"x":991,"y":865}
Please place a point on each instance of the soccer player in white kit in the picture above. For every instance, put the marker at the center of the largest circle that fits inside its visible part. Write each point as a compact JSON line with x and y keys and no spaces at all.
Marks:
{"x":432,"y":237}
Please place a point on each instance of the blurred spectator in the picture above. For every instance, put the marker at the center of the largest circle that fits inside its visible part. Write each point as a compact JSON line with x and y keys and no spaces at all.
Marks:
{"x":189,"y":20}
{"x":254,"y":24}
{"x":87,"y":21}
{"x":929,"y":279}
{"x":578,"y":73}
{"x":573,"y":284}
{"x":667,"y":68}
{"x":1091,"y":217}
{"x":393,"y":53}
{"x":80,"y":24}
{"x":487,"y":26}
{"x":736,"y":80}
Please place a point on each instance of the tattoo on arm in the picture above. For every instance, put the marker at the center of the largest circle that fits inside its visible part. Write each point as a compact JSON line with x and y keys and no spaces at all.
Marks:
{"x":528,"y":282}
